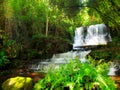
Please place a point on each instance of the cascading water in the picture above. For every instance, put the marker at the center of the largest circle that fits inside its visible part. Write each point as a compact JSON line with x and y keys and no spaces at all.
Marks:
{"x":79,"y":38}
{"x":84,"y":38}
{"x":81,"y":55}
{"x":97,"y":35}
{"x":94,"y":35}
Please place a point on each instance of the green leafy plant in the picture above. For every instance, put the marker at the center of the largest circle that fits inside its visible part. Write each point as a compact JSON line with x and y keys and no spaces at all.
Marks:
{"x":116,"y":40}
{"x":118,"y":57}
{"x":39,"y":41}
{"x":12,"y":47}
{"x":77,"y":76}
{"x":3,"y":59}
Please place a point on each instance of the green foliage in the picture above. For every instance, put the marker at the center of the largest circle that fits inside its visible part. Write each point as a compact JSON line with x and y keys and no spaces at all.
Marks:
{"x":118,"y":57}
{"x":116,"y":40}
{"x":45,"y":47}
{"x":25,"y":18}
{"x":77,"y":76}
{"x":71,"y":7}
{"x":108,"y":11}
{"x":28,"y":18}
{"x":3,"y":59}
{"x":2,"y":17}
{"x":12,"y":48}
{"x":31,"y":15}
{"x":32,"y":53}
{"x":87,"y":17}
{"x":101,"y":54}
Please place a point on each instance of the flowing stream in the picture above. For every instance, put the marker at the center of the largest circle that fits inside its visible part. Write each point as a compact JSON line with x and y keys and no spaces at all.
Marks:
{"x":84,"y":39}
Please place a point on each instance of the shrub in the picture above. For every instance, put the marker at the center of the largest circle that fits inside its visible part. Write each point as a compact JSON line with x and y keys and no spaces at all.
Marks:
{"x":3,"y":59}
{"x":47,"y":46}
{"x":77,"y":76}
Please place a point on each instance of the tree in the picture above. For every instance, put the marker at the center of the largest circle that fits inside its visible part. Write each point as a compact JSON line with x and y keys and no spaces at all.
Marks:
{"x":2,"y":18}
{"x":108,"y":11}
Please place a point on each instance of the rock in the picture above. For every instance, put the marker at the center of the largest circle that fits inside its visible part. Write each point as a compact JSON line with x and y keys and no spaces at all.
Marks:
{"x":18,"y":83}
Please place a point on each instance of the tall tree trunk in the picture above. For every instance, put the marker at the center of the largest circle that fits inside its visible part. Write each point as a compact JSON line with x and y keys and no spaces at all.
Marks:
{"x":47,"y":25}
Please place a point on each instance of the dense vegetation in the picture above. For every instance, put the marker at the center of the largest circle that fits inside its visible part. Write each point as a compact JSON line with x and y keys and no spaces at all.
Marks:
{"x":22,"y":20}
{"x":37,"y":29}
{"x":77,"y":76}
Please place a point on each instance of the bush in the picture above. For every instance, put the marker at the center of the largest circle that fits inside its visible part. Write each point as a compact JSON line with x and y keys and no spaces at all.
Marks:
{"x":47,"y":46}
{"x":3,"y":59}
{"x":12,"y":48}
{"x":77,"y":76}
{"x":107,"y":55}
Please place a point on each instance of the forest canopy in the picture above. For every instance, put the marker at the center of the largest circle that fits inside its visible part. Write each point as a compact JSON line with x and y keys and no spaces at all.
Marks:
{"x":62,"y":14}
{"x":25,"y":20}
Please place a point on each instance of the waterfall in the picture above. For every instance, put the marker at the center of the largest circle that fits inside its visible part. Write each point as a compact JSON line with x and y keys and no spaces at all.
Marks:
{"x":84,"y":39}
{"x":79,"y":37}
{"x":94,"y":35}
{"x":97,"y":35}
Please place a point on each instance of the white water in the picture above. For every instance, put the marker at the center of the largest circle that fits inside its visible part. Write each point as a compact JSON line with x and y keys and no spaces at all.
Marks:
{"x":79,"y":37}
{"x":65,"y":57}
{"x":114,"y":67}
{"x":94,"y":35}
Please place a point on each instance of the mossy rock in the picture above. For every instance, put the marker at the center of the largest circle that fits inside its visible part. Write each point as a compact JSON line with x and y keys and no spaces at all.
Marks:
{"x":18,"y":83}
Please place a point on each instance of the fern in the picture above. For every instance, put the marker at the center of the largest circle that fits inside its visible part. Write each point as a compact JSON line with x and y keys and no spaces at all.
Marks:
{"x":77,"y":76}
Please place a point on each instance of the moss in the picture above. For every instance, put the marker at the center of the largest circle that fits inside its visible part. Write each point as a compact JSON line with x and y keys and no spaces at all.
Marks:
{"x":17,"y":83}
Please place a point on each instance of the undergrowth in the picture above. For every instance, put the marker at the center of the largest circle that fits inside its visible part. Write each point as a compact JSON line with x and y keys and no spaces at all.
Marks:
{"x":78,"y":76}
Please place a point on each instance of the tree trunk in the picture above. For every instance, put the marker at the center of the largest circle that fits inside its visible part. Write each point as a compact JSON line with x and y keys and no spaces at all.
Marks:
{"x":47,"y":25}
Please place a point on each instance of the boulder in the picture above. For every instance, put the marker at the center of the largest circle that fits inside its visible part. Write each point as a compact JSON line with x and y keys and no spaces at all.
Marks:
{"x":18,"y":83}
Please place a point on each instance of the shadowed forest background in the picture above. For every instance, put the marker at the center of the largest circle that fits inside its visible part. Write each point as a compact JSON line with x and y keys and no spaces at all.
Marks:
{"x":37,"y":29}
